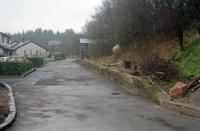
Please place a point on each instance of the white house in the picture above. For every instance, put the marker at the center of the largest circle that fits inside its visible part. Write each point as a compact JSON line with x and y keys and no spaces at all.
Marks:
{"x":14,"y":42}
{"x":4,"y":39}
{"x":5,"y":49}
{"x":30,"y":49}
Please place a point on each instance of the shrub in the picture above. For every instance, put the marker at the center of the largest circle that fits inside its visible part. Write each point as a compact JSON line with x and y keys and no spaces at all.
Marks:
{"x":37,"y":62}
{"x":59,"y":56}
{"x":188,"y":62}
{"x":14,"y":68}
{"x":159,"y":68}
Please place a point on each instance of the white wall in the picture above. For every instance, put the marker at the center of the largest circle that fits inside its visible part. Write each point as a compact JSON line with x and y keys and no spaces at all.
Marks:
{"x":0,"y":39}
{"x":31,"y":47}
{"x":15,"y":43}
{"x":5,"y":40}
{"x":1,"y":51}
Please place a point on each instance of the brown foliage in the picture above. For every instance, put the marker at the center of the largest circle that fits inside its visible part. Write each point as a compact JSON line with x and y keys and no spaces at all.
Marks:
{"x":4,"y":105}
{"x":158,"y":67}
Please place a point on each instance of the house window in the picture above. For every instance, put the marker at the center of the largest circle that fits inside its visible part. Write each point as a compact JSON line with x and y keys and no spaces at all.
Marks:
{"x":8,"y":41}
{"x":25,"y":53}
{"x":86,"y":46}
{"x":37,"y":53}
{"x":31,"y":52}
{"x":2,"y":39}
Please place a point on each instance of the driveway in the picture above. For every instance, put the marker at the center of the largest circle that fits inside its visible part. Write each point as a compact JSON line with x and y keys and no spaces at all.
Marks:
{"x":63,"y":96}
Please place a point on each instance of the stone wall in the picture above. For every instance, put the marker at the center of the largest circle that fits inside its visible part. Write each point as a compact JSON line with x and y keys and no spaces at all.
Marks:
{"x":142,"y":87}
{"x":133,"y":84}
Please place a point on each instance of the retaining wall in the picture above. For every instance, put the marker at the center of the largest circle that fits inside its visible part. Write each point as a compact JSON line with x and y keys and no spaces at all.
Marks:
{"x":138,"y":86}
{"x":133,"y":84}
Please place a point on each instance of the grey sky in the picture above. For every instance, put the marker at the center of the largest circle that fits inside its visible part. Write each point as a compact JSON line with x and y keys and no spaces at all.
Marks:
{"x":19,"y":15}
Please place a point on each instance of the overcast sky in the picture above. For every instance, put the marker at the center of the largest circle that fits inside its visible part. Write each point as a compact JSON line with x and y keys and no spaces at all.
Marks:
{"x":19,"y":15}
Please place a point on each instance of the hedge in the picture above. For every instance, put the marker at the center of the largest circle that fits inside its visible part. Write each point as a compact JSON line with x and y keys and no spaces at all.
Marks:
{"x":37,"y":62}
{"x":59,"y":56}
{"x":14,"y":68}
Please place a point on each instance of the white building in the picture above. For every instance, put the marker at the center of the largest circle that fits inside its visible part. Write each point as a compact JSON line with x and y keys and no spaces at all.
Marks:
{"x":84,"y":47}
{"x":30,"y":49}
{"x":4,"y":39}
{"x":14,"y":42}
{"x":55,"y":43}
{"x":5,"y":49}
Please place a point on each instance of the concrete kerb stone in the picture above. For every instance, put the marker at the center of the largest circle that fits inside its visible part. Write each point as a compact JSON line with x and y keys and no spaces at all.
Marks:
{"x":13,"y":112}
{"x":182,"y":108}
{"x":28,"y":72}
{"x":134,"y":85}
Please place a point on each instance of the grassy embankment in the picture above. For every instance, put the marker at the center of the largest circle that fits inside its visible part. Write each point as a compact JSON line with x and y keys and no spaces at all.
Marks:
{"x":188,"y":64}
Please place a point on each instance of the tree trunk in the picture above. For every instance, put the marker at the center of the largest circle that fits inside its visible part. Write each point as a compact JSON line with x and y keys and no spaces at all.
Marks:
{"x":180,"y":37}
{"x":199,"y":31}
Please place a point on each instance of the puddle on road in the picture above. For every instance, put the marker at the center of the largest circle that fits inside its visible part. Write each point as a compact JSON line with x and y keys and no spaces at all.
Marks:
{"x":60,"y":81}
{"x":47,"y":82}
{"x":115,"y":94}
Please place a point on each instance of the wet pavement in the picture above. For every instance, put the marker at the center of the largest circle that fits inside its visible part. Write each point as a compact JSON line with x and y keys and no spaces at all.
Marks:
{"x":63,"y":96}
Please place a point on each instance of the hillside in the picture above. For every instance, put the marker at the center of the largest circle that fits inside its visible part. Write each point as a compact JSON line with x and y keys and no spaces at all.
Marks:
{"x":188,"y":61}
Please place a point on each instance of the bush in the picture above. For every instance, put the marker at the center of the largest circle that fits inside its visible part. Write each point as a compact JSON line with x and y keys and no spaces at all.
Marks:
{"x":188,"y":62}
{"x":14,"y":68}
{"x":59,"y":56}
{"x":37,"y":62}
{"x":159,"y":68}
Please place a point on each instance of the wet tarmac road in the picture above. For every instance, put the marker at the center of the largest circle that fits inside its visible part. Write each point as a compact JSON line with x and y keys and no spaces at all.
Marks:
{"x":63,"y":96}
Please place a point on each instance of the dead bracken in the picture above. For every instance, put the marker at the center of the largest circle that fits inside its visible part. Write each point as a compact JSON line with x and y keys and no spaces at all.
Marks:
{"x":4,"y":104}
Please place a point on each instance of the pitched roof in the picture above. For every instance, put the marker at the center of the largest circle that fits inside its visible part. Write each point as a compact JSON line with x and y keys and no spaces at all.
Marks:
{"x":86,"y":41}
{"x":15,"y":45}
{"x":27,"y":42}
{"x":4,"y":34}
{"x":55,"y":43}
{"x":14,"y":42}
{"x":6,"y":47}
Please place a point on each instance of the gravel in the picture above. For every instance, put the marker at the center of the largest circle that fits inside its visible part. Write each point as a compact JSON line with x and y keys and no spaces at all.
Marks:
{"x":191,"y":98}
{"x":4,"y":104}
